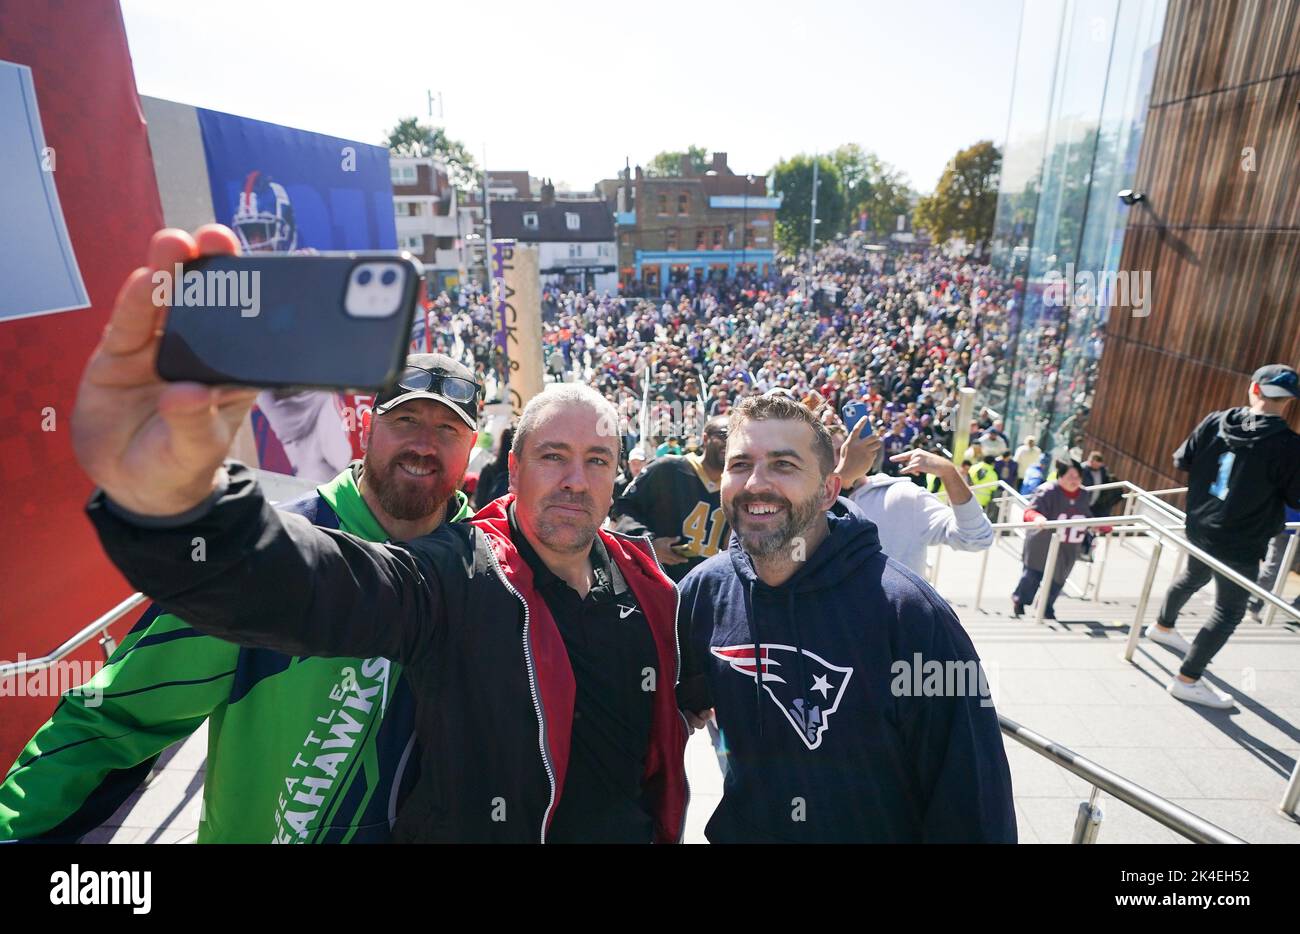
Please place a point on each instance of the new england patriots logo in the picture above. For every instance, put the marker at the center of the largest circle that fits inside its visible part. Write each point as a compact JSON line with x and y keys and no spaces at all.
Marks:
{"x":777,"y":668}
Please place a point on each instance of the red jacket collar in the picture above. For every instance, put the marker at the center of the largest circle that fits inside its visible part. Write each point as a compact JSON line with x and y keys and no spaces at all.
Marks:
{"x":665,"y":766}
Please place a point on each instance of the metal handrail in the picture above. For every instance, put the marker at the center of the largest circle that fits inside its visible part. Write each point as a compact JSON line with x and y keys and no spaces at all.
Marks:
{"x":1180,"y":820}
{"x":1169,"y":492}
{"x":1291,"y":796}
{"x":1284,"y":568}
{"x":11,"y":669}
{"x":943,"y":494}
{"x":1136,"y":492}
{"x":1117,"y":524}
{"x":1019,"y":497}
{"x":1049,"y":568}
{"x":1273,"y":600}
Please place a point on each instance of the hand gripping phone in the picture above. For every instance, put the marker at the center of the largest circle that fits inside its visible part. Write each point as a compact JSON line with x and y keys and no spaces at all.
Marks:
{"x":325,"y":320}
{"x":851,"y":412}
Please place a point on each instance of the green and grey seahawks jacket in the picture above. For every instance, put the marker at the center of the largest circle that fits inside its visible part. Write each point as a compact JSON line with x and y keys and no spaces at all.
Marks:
{"x":300,"y":750}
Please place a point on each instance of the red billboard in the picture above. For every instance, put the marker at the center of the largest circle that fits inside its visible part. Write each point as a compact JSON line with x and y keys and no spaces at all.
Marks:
{"x":68,"y":91}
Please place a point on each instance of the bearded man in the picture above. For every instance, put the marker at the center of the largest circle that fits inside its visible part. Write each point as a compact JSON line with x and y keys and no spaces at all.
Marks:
{"x":817,"y":656}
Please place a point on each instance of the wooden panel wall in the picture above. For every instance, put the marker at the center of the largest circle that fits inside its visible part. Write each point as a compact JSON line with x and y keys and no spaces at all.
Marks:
{"x":1220,"y":233}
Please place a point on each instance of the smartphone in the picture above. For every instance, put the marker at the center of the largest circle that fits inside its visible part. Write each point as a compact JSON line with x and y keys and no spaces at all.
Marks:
{"x":321,"y":321}
{"x":683,"y":548}
{"x":853,"y":411}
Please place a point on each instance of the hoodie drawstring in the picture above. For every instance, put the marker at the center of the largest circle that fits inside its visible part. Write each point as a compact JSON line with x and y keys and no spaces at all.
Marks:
{"x":759,"y":661}
{"x":798,"y":652}
{"x":758,"y":658}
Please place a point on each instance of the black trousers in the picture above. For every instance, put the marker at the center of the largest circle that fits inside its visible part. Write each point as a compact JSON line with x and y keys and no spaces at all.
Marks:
{"x":1229,"y":607}
{"x":1027,"y":589}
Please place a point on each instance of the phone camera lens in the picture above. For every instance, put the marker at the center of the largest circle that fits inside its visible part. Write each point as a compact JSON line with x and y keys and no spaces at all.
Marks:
{"x":389,"y":277}
{"x":364,"y":277}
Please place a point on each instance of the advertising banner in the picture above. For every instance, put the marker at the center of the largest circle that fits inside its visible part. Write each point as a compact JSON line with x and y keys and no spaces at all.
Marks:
{"x":37,"y":265}
{"x":520,"y":305}
{"x":284,"y":190}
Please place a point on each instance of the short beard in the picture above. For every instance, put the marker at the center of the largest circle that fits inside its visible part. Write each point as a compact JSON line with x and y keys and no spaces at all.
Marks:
{"x":553,"y":534}
{"x":766,"y":544}
{"x":398,"y":499}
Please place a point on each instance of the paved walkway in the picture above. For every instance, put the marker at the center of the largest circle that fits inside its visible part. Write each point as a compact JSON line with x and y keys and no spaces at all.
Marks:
{"x":1068,"y":681}
{"x":1064,"y":679}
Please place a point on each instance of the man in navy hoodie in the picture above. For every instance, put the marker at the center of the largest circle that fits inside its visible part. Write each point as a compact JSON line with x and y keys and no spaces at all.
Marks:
{"x":851,"y":704}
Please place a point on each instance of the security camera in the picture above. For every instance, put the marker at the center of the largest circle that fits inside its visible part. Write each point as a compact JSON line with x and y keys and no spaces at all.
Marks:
{"x":1131,"y":197}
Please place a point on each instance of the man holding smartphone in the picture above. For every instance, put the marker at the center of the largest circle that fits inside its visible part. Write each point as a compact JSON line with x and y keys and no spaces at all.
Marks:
{"x":538,"y":719}
{"x":263,"y":707}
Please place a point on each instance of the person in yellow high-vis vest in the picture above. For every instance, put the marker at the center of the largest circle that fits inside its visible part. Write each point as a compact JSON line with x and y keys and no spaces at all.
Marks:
{"x":983,"y":481}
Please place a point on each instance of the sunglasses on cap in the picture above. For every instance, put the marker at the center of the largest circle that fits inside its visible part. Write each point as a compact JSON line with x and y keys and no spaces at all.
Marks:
{"x":418,"y":379}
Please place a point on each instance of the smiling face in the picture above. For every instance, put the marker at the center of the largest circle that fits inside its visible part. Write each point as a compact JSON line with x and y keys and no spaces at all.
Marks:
{"x":773,"y":488}
{"x":416,"y":456}
{"x":564,"y":477}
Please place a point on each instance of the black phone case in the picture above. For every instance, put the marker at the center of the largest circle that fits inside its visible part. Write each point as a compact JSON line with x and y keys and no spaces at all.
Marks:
{"x":301,"y":337}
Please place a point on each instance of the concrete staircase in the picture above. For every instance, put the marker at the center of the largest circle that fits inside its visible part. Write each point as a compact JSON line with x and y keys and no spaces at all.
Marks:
{"x":1064,"y":679}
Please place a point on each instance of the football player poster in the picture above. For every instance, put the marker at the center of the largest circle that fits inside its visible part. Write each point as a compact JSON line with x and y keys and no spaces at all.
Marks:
{"x":284,"y":190}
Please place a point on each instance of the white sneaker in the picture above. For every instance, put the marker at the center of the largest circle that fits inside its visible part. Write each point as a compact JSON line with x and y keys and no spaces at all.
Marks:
{"x":1198,"y":692}
{"x":1168,"y":638}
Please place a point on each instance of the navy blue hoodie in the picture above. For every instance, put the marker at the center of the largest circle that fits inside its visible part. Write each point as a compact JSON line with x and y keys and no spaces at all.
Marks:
{"x":844,"y":738}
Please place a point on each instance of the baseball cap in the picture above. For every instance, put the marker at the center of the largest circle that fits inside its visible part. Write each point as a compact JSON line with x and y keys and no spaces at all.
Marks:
{"x":1276,"y":381}
{"x":438,"y":377}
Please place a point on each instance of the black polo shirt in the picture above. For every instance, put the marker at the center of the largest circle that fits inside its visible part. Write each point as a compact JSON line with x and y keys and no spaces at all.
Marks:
{"x":615,"y":667}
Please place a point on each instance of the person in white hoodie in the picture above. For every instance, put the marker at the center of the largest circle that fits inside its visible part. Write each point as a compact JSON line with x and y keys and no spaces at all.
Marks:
{"x":909,"y":518}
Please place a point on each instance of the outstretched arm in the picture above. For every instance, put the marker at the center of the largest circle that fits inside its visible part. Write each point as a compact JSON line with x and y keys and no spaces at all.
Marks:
{"x":246,"y":572}
{"x":200,"y":539}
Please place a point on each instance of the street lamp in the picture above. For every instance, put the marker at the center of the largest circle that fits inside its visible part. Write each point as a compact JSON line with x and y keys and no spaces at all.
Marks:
{"x":812,"y":234}
{"x":744,"y":223}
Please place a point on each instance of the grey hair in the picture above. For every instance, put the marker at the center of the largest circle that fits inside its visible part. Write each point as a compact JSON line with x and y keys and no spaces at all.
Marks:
{"x":565,"y":394}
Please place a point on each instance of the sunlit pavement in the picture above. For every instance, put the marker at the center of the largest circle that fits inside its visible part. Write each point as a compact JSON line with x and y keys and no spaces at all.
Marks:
{"x":1064,"y":679}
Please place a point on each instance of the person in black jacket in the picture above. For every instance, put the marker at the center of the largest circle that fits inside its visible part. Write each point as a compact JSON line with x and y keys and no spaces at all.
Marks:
{"x":635,"y":464}
{"x":1244,"y":467}
{"x":494,"y":479}
{"x":541,"y":650}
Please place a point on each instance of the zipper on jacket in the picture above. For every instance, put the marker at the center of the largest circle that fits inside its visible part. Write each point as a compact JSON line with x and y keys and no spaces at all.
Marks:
{"x":532,"y":687}
{"x":677,"y":645}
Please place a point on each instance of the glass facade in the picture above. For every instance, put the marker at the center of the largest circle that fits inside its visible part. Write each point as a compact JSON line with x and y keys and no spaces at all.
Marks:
{"x":1079,"y":101}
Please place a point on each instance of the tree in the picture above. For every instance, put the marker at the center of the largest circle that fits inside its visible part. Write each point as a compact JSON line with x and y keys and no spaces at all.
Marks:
{"x":965,"y":200}
{"x":873,"y":186}
{"x":412,"y":138}
{"x":669,"y":163}
{"x":794,"y":181}
{"x":851,"y":160}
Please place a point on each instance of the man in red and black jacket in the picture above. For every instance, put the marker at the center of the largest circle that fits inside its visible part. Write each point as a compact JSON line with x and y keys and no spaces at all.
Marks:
{"x":538,"y":719}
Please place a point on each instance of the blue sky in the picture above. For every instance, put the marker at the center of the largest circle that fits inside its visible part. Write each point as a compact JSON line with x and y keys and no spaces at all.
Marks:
{"x":568,"y":90}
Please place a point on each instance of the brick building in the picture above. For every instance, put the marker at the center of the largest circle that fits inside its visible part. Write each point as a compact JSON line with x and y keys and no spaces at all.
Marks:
{"x":428,"y":217}
{"x":694,"y":225}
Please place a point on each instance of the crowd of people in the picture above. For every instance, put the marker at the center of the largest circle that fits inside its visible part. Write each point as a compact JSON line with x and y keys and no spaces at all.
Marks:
{"x":772,"y":536}
{"x":901,"y":336}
